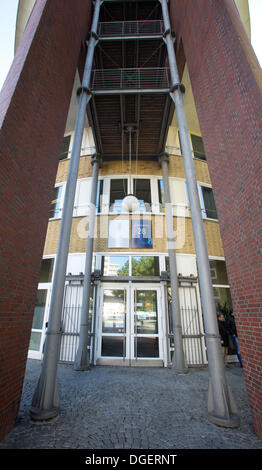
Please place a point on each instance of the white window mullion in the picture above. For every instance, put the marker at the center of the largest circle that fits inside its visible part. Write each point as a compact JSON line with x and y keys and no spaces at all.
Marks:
{"x":155,"y":203}
{"x":105,"y":196}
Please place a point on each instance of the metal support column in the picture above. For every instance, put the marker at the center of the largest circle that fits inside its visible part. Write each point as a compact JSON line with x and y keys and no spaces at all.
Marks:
{"x":221,"y":407}
{"x":179,"y":356}
{"x":45,"y":401}
{"x":82,"y":361}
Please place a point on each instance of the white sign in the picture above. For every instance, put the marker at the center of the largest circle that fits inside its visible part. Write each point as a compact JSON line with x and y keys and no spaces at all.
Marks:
{"x":118,"y":233}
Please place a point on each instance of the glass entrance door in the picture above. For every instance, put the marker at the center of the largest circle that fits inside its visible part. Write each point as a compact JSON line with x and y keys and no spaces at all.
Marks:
{"x":114,"y":312}
{"x":145,"y":323}
{"x":129,"y":326}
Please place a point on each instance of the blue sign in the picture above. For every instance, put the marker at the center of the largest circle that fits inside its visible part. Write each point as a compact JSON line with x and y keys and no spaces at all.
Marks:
{"x":141,"y":234}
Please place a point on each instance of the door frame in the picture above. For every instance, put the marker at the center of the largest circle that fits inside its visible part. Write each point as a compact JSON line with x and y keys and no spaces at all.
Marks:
{"x":130,"y":359}
{"x":32,"y":354}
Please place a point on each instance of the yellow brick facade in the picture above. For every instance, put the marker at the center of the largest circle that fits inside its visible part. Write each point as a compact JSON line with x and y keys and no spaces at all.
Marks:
{"x":176,"y":168}
{"x":185,"y":241}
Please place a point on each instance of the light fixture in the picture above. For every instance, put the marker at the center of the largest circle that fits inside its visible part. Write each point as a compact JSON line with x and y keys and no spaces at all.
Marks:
{"x":130,"y":202}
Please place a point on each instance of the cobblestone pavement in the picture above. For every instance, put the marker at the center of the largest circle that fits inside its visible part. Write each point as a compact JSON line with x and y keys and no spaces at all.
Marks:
{"x":131,"y":408}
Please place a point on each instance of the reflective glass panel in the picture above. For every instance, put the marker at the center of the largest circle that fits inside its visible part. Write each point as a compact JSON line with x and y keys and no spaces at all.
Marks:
{"x":161,"y":195}
{"x":35,"y":341}
{"x":167,"y":264}
{"x":65,"y":147}
{"x":39,"y":309}
{"x":112,"y":346}
{"x":142,"y":191}
{"x":198,"y":147}
{"x":114,"y":311}
{"x":99,"y":195}
{"x":55,"y":210}
{"x":145,"y":266}
{"x":46,"y":270}
{"x":115,"y":266}
{"x":146,"y":312}
{"x":223,"y":300}
{"x":218,"y":271}
{"x":208,"y":202}
{"x":118,"y":190}
{"x":146,"y":347}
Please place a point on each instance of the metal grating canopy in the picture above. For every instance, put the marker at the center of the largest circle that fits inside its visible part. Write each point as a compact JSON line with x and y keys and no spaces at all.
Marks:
{"x":130,"y":82}
{"x":145,"y":80}
{"x":114,"y":29}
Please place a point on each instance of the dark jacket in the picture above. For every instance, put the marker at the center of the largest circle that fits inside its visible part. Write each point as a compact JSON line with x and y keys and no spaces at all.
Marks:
{"x":223,"y":332}
{"x":231,"y":326}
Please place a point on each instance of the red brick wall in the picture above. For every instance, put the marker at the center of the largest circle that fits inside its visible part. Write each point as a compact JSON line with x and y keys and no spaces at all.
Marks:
{"x":34,"y":103}
{"x":226,"y":83}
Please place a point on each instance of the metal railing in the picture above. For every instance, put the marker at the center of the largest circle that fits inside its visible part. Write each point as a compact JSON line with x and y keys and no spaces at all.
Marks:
{"x":120,"y":29}
{"x":150,"y":79}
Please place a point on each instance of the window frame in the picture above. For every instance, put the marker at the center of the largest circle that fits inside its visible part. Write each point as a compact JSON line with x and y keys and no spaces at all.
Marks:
{"x":105,"y":205}
{"x":191,"y":145}
{"x":193,"y":151}
{"x":186,"y":206}
{"x":202,"y":202}
{"x":218,"y":285}
{"x":68,"y":153}
{"x":160,"y":256}
{"x":33,"y":354}
{"x":58,"y":185}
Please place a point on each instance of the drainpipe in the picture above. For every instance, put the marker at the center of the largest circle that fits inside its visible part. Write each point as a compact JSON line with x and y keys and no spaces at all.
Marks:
{"x":221,"y":406}
{"x":82,"y":361}
{"x":179,"y":356}
{"x":45,"y":401}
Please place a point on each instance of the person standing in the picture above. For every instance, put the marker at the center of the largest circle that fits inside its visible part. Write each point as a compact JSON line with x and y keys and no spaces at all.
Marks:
{"x":231,"y":328}
{"x":223,"y":335}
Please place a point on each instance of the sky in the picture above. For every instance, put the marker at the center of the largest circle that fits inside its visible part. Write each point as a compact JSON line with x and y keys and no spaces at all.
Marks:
{"x":8,"y":10}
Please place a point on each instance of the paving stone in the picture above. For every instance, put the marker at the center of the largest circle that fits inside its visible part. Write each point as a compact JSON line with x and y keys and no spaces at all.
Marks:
{"x":131,"y":408}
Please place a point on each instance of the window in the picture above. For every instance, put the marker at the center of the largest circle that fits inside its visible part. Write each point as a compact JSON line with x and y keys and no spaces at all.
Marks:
{"x":56,"y":203}
{"x":145,"y":266}
{"x":38,"y":320}
{"x":115,"y":266}
{"x":198,"y":147}
{"x":65,"y":147}
{"x":218,"y":272}
{"x":82,"y":197}
{"x":46,"y":270}
{"x":118,"y":190}
{"x":99,"y":196}
{"x":178,"y":195}
{"x":142,"y":191}
{"x":208,"y":202}
{"x":220,"y":286}
{"x":161,"y":195}
{"x":223,"y":300}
